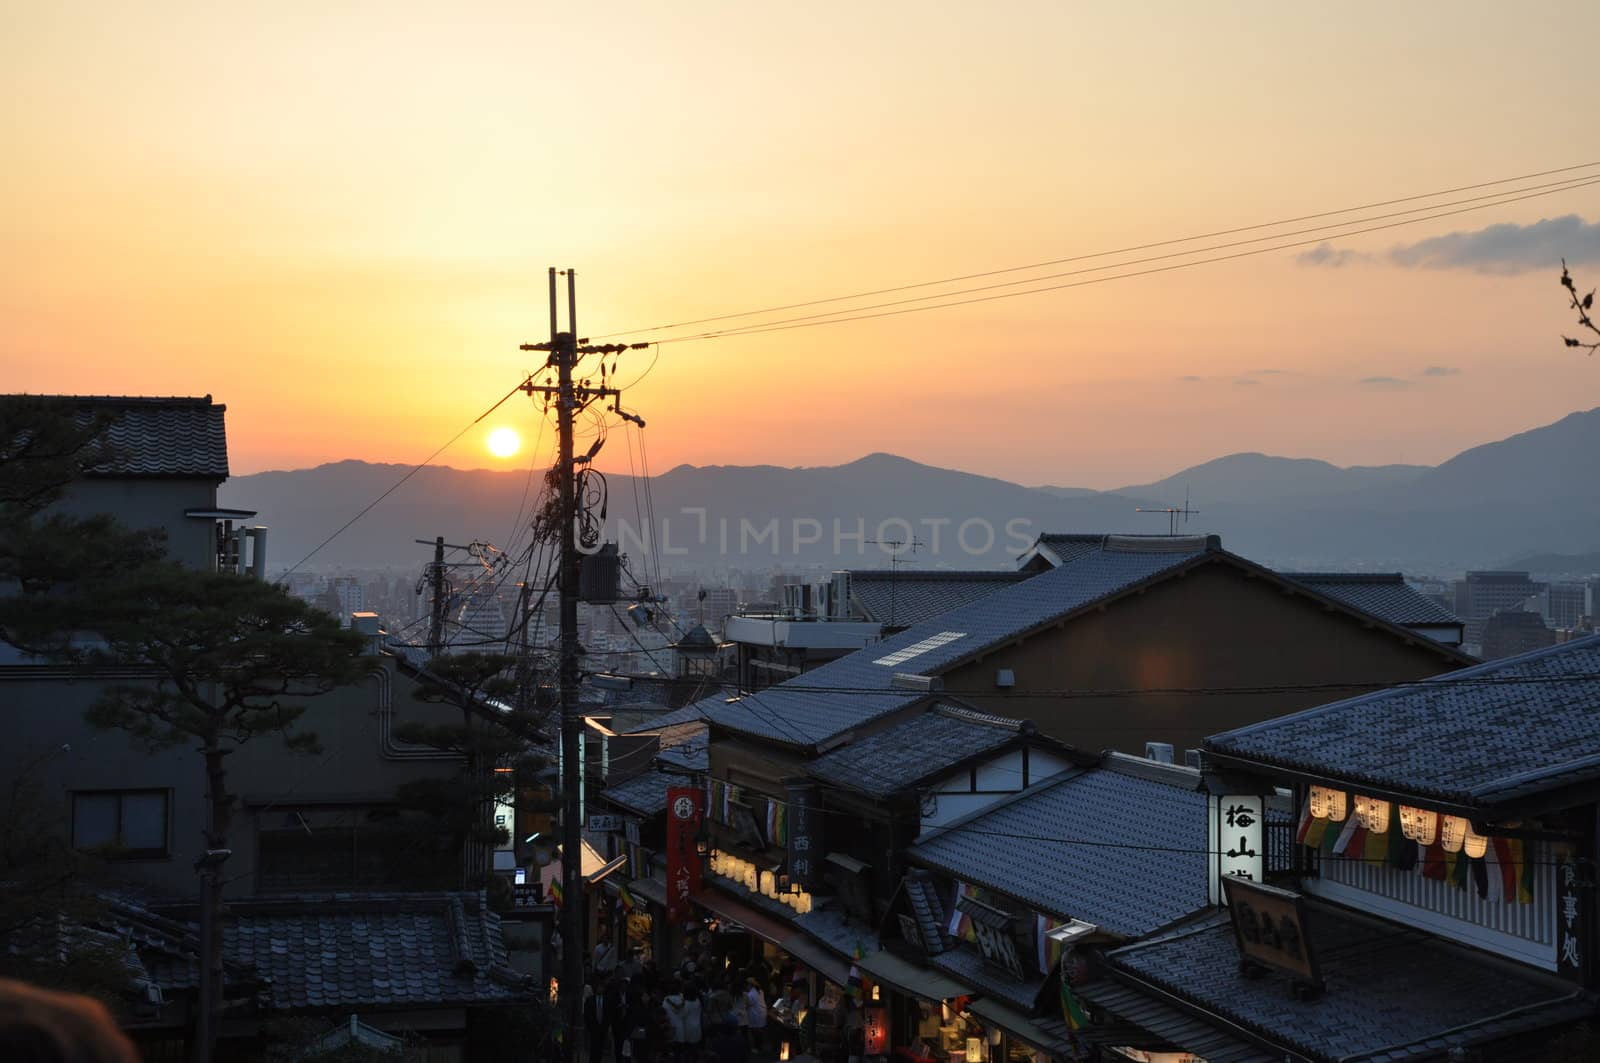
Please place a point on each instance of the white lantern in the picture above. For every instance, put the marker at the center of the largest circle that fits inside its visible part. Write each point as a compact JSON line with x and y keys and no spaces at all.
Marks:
{"x":1372,"y":813}
{"x":1475,"y":844}
{"x":1328,"y":803}
{"x":1419,"y":824}
{"x":768,"y":884}
{"x":1453,"y":832}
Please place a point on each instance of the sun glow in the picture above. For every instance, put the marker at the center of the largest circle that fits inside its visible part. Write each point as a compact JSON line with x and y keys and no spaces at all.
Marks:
{"x":504,"y":442}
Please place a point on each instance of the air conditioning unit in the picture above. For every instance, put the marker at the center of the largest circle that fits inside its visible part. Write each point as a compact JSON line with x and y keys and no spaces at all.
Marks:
{"x":1158,"y":751}
{"x":840,"y":596}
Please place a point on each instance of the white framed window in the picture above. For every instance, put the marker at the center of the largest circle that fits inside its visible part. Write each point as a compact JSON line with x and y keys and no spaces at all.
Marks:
{"x":126,"y":824}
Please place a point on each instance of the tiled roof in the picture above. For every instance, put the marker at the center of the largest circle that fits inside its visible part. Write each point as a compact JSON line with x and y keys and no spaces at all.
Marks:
{"x":1383,"y":594}
{"x":686,"y":745}
{"x":905,"y":597}
{"x":1120,"y":850}
{"x":922,"y":897}
{"x":964,"y":964}
{"x":921,"y":748}
{"x":1069,"y":546}
{"x":1477,"y":736}
{"x":1125,"y":1006}
{"x":155,"y":437}
{"x":374,"y":950}
{"x":1391,"y":993}
{"x":855,"y":689}
{"x":644,"y":793}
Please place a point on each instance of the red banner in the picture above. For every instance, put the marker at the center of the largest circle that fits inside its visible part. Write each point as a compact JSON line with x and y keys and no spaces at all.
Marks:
{"x":685,"y":805}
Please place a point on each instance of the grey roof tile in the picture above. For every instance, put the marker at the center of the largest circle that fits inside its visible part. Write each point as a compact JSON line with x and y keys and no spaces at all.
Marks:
{"x":1383,"y":594}
{"x":920,"y":748}
{"x":644,"y":794}
{"x":1389,"y":990}
{"x":1124,"y":852}
{"x":155,"y":437}
{"x":1530,"y":723}
{"x":903,"y":597}
{"x":964,"y":964}
{"x":855,"y":689}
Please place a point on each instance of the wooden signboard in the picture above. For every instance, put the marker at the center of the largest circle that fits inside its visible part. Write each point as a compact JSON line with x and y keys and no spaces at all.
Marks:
{"x":1271,"y":929}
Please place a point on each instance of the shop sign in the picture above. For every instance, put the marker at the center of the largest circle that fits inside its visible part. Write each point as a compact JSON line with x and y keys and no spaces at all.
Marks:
{"x":604,"y":822}
{"x":1573,"y":891}
{"x":685,"y":805}
{"x":1239,"y":838}
{"x":525,"y":895}
{"x":743,"y":820}
{"x":630,"y":831}
{"x":999,"y":947}
{"x":1270,"y":928}
{"x":805,"y":841}
{"x":909,"y":932}
{"x":875,"y":1031}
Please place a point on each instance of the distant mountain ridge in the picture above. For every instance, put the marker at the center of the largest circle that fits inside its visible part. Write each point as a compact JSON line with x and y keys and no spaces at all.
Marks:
{"x":1531,"y":493}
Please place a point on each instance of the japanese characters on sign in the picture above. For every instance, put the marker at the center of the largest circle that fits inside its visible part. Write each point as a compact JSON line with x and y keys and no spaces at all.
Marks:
{"x":685,"y":806}
{"x":875,"y":1031}
{"x":805,"y":842}
{"x":601,"y":822}
{"x":909,"y":932}
{"x":1240,"y":837}
{"x":1573,"y":888}
{"x":999,"y":947}
{"x":1270,"y":927}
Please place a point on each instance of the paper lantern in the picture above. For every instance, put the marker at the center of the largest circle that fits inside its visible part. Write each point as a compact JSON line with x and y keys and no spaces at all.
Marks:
{"x":1328,"y":803}
{"x":1372,"y":813}
{"x":1475,"y":844}
{"x":1452,"y":833}
{"x":974,"y":1048}
{"x":768,"y":887}
{"x":783,"y":1052}
{"x":1419,"y":824}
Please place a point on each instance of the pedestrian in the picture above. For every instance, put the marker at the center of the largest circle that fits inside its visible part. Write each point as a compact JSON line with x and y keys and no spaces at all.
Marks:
{"x":755,"y":1012}
{"x":594,"y":1025}
{"x":616,"y":1016}
{"x":38,"y":1024}
{"x":605,"y":959}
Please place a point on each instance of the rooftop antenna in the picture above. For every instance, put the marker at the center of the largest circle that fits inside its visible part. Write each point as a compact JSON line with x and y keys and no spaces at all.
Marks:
{"x":894,"y":546}
{"x":1172,"y":512}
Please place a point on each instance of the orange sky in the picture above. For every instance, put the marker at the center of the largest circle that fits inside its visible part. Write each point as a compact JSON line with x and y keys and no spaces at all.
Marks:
{"x":336,"y":219}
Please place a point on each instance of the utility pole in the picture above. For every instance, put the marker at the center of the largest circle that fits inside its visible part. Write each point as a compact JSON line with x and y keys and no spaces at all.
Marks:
{"x":434,"y":576}
{"x":564,"y":350}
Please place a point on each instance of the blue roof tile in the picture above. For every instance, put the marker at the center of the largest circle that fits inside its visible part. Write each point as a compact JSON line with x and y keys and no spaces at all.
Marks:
{"x":1481,"y":735}
{"x":1121,"y":850}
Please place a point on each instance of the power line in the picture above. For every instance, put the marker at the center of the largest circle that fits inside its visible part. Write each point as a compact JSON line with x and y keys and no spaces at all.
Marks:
{"x":807,"y":322}
{"x":397,"y":484}
{"x":1117,"y":251}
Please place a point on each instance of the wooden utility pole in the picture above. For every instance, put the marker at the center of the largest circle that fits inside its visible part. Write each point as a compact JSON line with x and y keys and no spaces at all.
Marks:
{"x":564,"y":350}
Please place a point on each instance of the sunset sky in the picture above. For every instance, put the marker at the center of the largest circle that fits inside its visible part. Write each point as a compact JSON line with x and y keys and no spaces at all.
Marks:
{"x":336,"y":218}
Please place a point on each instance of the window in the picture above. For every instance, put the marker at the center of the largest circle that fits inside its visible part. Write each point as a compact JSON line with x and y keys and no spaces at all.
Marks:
{"x":125,"y":823}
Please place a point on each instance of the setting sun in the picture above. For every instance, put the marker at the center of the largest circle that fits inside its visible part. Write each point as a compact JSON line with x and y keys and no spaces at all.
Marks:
{"x":504,"y":442}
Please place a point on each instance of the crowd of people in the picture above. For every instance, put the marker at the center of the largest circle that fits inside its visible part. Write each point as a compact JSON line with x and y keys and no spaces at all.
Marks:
{"x":709,"y":1012}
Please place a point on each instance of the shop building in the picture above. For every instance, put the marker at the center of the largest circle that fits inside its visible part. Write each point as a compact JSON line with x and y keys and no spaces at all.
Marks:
{"x":1441,"y":902}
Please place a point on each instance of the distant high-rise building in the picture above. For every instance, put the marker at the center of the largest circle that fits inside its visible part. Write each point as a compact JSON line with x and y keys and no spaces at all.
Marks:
{"x":1485,"y":593}
{"x":350,"y":596}
{"x":1566,"y":605}
{"x":1514,"y":631}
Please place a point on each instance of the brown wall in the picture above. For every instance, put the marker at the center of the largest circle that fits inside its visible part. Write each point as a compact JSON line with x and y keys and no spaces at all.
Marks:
{"x":1215,"y":627}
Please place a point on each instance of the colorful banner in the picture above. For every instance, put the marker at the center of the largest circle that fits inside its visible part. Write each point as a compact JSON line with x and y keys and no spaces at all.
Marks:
{"x":684,"y":811}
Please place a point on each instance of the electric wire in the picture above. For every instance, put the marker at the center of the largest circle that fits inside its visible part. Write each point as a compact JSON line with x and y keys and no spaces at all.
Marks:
{"x":808,"y":322}
{"x":1102,"y":254}
{"x":398,"y":483}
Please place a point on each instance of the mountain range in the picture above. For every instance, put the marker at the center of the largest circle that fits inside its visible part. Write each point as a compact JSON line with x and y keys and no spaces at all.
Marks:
{"x":1530,"y":494}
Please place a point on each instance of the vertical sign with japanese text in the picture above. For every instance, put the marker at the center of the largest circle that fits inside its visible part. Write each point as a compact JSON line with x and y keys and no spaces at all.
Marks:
{"x":685,"y":805}
{"x":1240,"y":837}
{"x":1573,"y":890}
{"x":805,"y":842}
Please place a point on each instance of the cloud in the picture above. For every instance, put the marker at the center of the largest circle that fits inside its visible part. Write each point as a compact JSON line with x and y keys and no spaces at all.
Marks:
{"x":1385,"y":382}
{"x":1191,"y":379}
{"x":1506,"y":248}
{"x":1441,"y":370}
{"x":1325,"y":254}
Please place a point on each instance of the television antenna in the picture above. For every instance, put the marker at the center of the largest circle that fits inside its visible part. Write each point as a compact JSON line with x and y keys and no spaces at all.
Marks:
{"x":1172,"y":512}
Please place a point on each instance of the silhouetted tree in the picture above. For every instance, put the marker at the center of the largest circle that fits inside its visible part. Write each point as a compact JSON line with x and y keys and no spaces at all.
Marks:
{"x":1582,"y":304}
{"x":493,"y":739}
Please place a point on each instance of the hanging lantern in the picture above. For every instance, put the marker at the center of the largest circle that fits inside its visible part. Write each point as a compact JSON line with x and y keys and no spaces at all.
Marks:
{"x":1419,"y":824}
{"x":1372,"y":814}
{"x":767,"y":887}
{"x":974,"y":1049}
{"x":1328,"y":803}
{"x":1452,"y":833}
{"x":1475,"y":844}
{"x":783,"y":1052}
